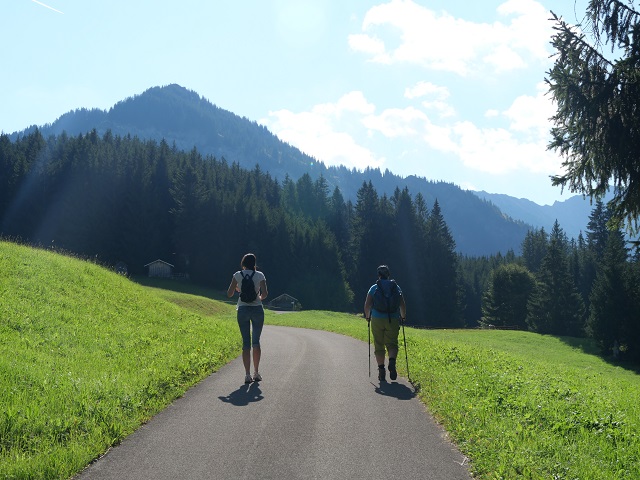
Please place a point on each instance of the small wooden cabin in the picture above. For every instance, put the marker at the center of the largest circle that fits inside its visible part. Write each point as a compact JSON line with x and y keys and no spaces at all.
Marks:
{"x":160,"y":268}
{"x":285,"y":302}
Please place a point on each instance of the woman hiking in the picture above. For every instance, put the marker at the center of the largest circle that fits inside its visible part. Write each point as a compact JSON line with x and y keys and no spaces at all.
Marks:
{"x":252,"y":286}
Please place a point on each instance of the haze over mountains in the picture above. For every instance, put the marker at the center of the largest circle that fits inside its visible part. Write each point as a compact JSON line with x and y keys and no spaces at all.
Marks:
{"x":481,"y":223}
{"x":572,"y":214}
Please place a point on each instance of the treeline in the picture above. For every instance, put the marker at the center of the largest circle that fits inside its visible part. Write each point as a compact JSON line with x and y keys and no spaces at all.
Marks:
{"x":122,"y":199}
{"x":589,"y":286}
{"x":173,"y":112}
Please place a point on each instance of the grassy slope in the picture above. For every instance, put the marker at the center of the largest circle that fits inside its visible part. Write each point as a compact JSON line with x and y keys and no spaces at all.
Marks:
{"x":520,"y":405}
{"x":87,"y":356}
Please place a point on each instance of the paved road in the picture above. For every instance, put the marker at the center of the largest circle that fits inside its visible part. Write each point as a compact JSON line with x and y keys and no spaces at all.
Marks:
{"x":315,"y":415}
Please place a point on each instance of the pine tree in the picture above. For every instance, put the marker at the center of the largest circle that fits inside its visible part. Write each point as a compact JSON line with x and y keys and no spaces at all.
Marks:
{"x":507,"y":298}
{"x":289,"y":195}
{"x":633,"y":327}
{"x":366,"y":232}
{"x":443,"y":290}
{"x":597,"y":124}
{"x":611,"y":318}
{"x":321,"y":197}
{"x":189,"y":194}
{"x":306,"y":195}
{"x":338,"y":217}
{"x":534,"y":249}
{"x":556,"y":307}
{"x":598,"y":229}
{"x":407,"y":256}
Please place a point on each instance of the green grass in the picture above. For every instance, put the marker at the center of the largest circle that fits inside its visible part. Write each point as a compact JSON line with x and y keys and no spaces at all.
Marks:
{"x":518,"y":404}
{"x":86,"y":356}
{"x":527,"y":406}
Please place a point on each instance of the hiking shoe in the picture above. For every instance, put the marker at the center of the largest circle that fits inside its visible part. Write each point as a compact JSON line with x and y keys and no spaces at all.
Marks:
{"x":247,"y":378}
{"x":382,"y":374}
{"x":393,"y":373}
{"x":257,"y":377}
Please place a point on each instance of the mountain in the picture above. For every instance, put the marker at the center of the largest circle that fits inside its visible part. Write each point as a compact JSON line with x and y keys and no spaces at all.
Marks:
{"x":572,"y":214}
{"x":185,"y":119}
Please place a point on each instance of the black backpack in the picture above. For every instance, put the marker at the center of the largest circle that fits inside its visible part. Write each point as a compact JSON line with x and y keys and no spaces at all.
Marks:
{"x":247,"y":288}
{"x":386,"y":298}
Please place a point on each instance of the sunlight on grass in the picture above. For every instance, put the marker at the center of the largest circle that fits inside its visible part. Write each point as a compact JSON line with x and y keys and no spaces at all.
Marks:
{"x":87,"y":356}
{"x":518,"y":404}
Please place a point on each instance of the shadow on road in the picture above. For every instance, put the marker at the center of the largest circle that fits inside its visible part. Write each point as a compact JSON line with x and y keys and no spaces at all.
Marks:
{"x":396,"y":390}
{"x":244,"y":395}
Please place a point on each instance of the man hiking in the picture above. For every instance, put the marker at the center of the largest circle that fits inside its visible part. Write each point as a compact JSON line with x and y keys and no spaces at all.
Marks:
{"x":385,"y":308}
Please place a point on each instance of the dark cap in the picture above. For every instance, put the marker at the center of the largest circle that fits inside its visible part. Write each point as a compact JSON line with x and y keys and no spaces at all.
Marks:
{"x":383,"y":271}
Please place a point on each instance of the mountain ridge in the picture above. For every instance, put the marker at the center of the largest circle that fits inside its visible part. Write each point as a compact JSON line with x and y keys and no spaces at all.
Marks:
{"x":572,"y":214}
{"x":187,"y":120}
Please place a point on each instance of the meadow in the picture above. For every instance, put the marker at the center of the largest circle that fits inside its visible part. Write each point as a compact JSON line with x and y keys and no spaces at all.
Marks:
{"x":87,"y":356}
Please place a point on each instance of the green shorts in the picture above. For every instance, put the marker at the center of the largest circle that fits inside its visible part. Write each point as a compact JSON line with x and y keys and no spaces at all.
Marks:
{"x":385,"y":334}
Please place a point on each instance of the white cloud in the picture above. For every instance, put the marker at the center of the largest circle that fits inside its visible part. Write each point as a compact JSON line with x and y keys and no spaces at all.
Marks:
{"x":532,"y":115}
{"x":422,"y":89}
{"x":438,"y":93}
{"x":369,"y":45}
{"x":498,"y":151}
{"x":520,"y":146}
{"x":440,"y":41}
{"x":321,"y":133}
{"x":468,"y":129}
{"x":439,"y":138}
{"x":352,"y":102}
{"x":443,"y":108}
{"x":327,"y":134}
{"x":422,"y":34}
{"x":396,"y":122}
{"x":530,"y":29}
{"x":504,"y":58}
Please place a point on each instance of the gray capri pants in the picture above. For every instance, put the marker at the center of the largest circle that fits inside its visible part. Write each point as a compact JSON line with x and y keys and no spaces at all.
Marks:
{"x":248,"y":317}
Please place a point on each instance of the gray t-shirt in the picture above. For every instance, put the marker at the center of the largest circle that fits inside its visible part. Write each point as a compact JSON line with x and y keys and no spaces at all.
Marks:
{"x":257,"y":278}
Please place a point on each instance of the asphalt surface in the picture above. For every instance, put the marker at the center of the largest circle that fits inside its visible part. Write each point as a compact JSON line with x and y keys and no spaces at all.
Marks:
{"x":315,"y":415}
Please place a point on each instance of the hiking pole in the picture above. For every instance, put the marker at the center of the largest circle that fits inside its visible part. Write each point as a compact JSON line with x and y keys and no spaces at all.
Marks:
{"x":369,"y":330}
{"x":405,"y":351}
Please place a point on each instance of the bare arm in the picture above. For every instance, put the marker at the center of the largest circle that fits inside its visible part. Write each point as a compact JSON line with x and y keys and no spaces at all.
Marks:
{"x":403,"y":308}
{"x":368,"y":303}
{"x":263,"y":290}
{"x":233,"y":286}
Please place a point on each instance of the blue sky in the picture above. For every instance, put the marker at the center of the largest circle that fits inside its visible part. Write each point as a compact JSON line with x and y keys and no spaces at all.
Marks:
{"x":446,"y":90}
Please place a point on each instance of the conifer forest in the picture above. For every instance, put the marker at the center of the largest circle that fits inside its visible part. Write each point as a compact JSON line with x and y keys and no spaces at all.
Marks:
{"x":112,"y":198}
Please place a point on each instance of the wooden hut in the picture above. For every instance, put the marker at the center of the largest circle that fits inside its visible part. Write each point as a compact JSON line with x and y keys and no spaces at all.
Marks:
{"x":285,"y":302}
{"x":160,"y":268}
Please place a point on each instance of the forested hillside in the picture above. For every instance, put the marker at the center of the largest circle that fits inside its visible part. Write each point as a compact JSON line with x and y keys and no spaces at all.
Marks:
{"x":122,"y":199}
{"x":184,"y":119}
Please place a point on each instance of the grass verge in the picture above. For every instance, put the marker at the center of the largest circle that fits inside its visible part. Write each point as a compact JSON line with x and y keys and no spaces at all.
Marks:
{"x":518,"y":404}
{"x":87,"y":356}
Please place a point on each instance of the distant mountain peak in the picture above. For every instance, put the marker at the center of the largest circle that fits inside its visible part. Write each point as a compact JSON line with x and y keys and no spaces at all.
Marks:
{"x":572,"y":214}
{"x":184,"y":118}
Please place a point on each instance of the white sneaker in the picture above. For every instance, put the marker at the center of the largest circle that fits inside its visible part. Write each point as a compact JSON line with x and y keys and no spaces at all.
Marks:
{"x":247,"y":378}
{"x":257,"y":377}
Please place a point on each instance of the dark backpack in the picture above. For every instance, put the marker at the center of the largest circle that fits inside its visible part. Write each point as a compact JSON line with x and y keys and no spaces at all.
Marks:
{"x":386,"y":298}
{"x":247,"y":288}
